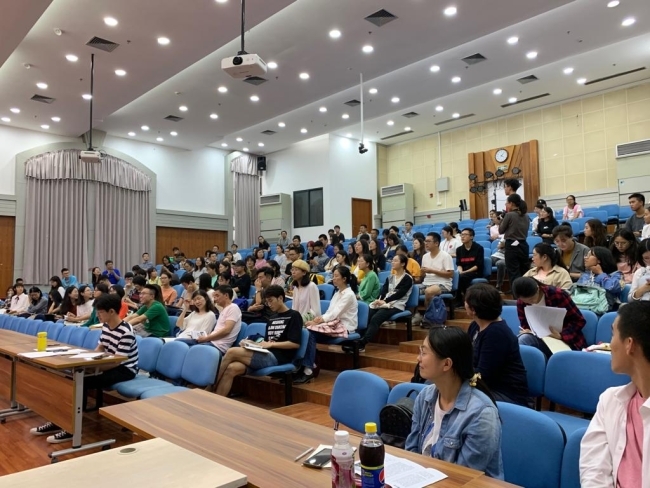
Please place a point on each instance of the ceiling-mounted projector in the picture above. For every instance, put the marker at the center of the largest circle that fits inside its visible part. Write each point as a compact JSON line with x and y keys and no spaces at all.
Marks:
{"x":244,"y":65}
{"x":90,"y":156}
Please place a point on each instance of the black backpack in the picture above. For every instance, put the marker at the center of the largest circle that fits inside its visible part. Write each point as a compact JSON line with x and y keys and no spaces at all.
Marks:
{"x":395,"y":421}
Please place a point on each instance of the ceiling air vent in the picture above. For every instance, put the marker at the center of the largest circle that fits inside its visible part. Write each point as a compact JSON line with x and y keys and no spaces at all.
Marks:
{"x":353,"y":103}
{"x":389,"y":191}
{"x":410,"y":115}
{"x":611,"y":77}
{"x":381,"y":18}
{"x":630,"y":149}
{"x":397,"y":135}
{"x":173,"y":118}
{"x":42,"y":99}
{"x":255,"y":80}
{"x":270,"y":199}
{"x":528,"y":79}
{"x":474,"y":59}
{"x":103,"y":44}
{"x":269,"y":132}
{"x":454,"y":120}
{"x":524,"y":100}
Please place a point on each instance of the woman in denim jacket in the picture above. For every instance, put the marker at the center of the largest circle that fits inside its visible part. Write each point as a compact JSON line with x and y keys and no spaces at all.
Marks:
{"x":455,"y":419}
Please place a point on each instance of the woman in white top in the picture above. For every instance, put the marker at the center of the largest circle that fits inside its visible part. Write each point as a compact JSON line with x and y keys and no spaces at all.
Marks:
{"x":343,"y":311}
{"x":278,"y":279}
{"x":20,"y":301}
{"x":84,"y":306}
{"x":449,"y":243}
{"x":279,"y":257}
{"x":202,"y":320}
{"x":305,"y":296}
{"x":645,"y":233}
{"x":199,"y":268}
{"x":572,"y":210}
{"x":640,"y":288}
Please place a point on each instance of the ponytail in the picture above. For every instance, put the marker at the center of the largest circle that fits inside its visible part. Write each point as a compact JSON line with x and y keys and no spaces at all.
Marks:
{"x":477,"y":382}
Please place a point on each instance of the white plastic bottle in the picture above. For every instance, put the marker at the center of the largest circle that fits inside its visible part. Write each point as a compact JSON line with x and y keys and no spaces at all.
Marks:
{"x":342,"y":461}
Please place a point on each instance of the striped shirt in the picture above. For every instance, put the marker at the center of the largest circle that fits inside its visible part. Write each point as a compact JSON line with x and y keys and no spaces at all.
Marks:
{"x":121,"y":342}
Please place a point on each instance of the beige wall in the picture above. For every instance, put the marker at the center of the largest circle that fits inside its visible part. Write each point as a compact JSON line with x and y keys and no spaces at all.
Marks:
{"x":577,"y":142}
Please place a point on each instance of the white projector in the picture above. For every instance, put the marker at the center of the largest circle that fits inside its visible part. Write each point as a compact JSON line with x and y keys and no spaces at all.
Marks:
{"x":244,"y":65}
{"x":90,"y":156}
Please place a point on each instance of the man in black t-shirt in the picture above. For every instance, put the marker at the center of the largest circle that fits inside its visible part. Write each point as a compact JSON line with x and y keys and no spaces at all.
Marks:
{"x":282,"y":338}
{"x":241,"y":282}
{"x":469,"y":262}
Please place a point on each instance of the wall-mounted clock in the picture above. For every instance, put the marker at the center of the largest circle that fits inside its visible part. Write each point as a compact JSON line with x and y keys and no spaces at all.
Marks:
{"x":501,"y":155}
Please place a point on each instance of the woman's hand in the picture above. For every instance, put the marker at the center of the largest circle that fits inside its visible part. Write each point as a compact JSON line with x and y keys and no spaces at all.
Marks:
{"x":597,"y":269}
{"x":555,"y":334}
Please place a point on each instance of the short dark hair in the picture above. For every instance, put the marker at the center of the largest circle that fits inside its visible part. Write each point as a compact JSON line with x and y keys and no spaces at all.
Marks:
{"x":104,"y":278}
{"x":139,"y":280}
{"x":322,"y":236}
{"x":119,"y":290}
{"x":157,"y":294}
{"x":395,"y":228}
{"x":63,"y":270}
{"x":187,"y":278}
{"x":267,"y":271}
{"x":226,"y":290}
{"x":274,"y":291}
{"x":364,"y":237}
{"x":485,"y":300}
{"x":638,"y":196}
{"x":318,"y":244}
{"x":375,"y":230}
{"x":525,"y":287}
{"x":563,"y":230}
{"x":212,"y":252}
{"x":633,"y":321}
{"x":108,"y":261}
{"x":145,"y":253}
{"x":107,"y":302}
{"x":234,"y":245}
{"x":403,"y":248}
{"x":363,"y":225}
{"x":128,"y":274}
{"x":103,"y":287}
{"x":337,"y":227}
{"x":418,"y":235}
{"x":436,"y":237}
{"x":408,"y":222}
{"x":540,"y":204}
{"x":471,"y":231}
{"x":212,"y":266}
{"x":512,"y":183}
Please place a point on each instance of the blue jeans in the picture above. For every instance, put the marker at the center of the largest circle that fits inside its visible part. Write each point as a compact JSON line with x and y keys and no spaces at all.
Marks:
{"x":536,"y":342}
{"x":310,"y":354}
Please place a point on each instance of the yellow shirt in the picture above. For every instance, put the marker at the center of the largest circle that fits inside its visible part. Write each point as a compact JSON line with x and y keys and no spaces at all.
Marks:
{"x":412,"y":267}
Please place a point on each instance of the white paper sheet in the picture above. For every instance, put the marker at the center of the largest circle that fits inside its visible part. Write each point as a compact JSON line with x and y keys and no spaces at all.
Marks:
{"x":87,"y":355}
{"x":541,"y":319}
{"x":256,"y":348}
{"x":402,"y":473}
{"x":36,"y":355}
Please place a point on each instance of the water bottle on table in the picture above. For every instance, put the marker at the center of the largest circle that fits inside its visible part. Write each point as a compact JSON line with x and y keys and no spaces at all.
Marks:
{"x":342,"y":461}
{"x":41,"y":341}
{"x":371,"y":455}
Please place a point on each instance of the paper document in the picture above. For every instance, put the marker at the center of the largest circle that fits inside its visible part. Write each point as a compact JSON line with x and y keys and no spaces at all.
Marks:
{"x":252,"y":347}
{"x":195,"y":334}
{"x":541,"y":319}
{"x":36,"y":355}
{"x":87,"y":355}
{"x":402,"y":473}
{"x":62,"y":350}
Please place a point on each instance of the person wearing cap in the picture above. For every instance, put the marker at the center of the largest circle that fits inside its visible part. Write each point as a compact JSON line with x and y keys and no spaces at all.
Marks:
{"x":241,"y":281}
{"x":304,"y":291}
{"x":539,"y":206}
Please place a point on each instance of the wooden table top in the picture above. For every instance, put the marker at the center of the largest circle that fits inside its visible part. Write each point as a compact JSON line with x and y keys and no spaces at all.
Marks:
{"x":55,"y":362}
{"x":259,"y":443}
{"x":12,"y":337}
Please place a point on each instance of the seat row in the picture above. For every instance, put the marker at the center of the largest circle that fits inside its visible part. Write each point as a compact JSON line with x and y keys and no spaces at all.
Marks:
{"x":66,"y":334}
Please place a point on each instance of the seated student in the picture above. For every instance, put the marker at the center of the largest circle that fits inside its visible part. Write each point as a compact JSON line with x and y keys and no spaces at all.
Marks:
{"x":601,"y":270}
{"x":413,"y":267}
{"x":212,"y":272}
{"x":262,"y":244}
{"x":572,"y":253}
{"x":374,"y":247}
{"x":623,"y":249}
{"x":282,"y":338}
{"x":202,"y":319}
{"x":151,"y":319}
{"x":169,"y":294}
{"x":546,"y":268}
{"x":68,"y":308}
{"x":56,"y":284}
{"x":320,"y":259}
{"x":645,"y":232}
{"x":128,"y":283}
{"x":228,"y":324}
{"x":640,"y":288}
{"x":68,"y":279}
{"x":530,"y":292}
{"x":258,"y":311}
{"x":152,"y":276}
{"x":614,"y":451}
{"x":369,"y":287}
{"x":85,"y":305}
{"x":499,"y":260}
{"x":260,"y":260}
{"x":496,"y":350}
{"x":241,"y":280}
{"x":438,"y":270}
{"x":340,"y":319}
{"x":304,"y":292}
{"x":117,"y":338}
{"x":279,"y":257}
{"x":359,"y":248}
{"x":392,"y":299}
{"x":278,"y":279}
{"x":300,"y":249}
{"x":168,"y":264}
{"x":199,"y":267}
{"x":408,"y":231}
{"x":418,"y":250}
{"x":469,"y":261}
{"x":392,"y":241}
{"x":539,"y":206}
{"x":37,"y":303}
{"x":100,"y":289}
{"x":572,"y":210}
{"x":234,"y":249}
{"x":595,"y":233}
{"x":455,"y":419}
{"x":146,"y":263}
{"x":119,"y":291}
{"x":133,"y":299}
{"x":112,"y":273}
{"x":493,"y":226}
{"x":546,"y":224}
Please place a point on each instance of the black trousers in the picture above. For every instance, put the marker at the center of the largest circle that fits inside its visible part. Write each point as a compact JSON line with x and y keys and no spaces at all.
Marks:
{"x":517,"y":260}
{"x":464,"y":282}
{"x":377,"y":317}
{"x":108,"y":378}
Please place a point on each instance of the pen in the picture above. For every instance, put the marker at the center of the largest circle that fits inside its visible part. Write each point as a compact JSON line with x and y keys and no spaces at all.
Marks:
{"x":304,"y":454}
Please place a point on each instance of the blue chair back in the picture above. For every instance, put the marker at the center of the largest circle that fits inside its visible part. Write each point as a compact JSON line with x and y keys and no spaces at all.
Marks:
{"x":509,"y":314}
{"x":256,"y":328}
{"x":600,"y":215}
{"x":403,"y":389}
{"x":179,"y":289}
{"x":625,"y":293}
{"x":494,"y":246}
{"x":589,"y":330}
{"x":148,"y":352}
{"x":78,"y":335}
{"x":532,"y":242}
{"x":414,"y":298}
{"x":172,"y":324}
{"x":23,"y":326}
{"x":328,"y":291}
{"x":604,"y":329}
{"x":368,"y":394}
{"x":201,"y":365}
{"x":32,"y":327}
{"x":525,"y":431}
{"x":570,"y":477}
{"x":54,"y":330}
{"x":624,"y":212}
{"x":383,"y":276}
{"x":92,"y":339}
{"x":304,"y":340}
{"x":487,"y":245}
{"x":611,"y":209}
{"x":243,"y":333}
{"x":251,"y":292}
{"x":289,"y":303}
{"x":576,"y":379}
{"x":171,"y":359}
{"x":66,"y":333}
{"x":363,"y":312}
{"x":535,"y":364}
{"x":324,"y":305}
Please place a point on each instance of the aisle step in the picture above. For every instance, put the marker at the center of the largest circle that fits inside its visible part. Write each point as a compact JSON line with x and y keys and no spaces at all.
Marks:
{"x":394,"y":334}
{"x":376,"y":355}
{"x":411,"y":347}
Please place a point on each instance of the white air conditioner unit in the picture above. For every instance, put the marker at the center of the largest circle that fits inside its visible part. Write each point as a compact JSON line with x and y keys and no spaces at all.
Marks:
{"x":633,"y":172}
{"x":396,"y":204}
{"x":630,"y":149}
{"x":275,"y":215}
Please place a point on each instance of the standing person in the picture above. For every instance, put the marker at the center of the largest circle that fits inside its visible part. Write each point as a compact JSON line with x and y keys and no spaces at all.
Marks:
{"x":438,"y":270}
{"x":510,"y":187}
{"x":623,"y":248}
{"x":572,"y":210}
{"x":640,"y":289}
{"x":514,"y":228}
{"x":572,"y":253}
{"x":202,"y":319}
{"x":151,"y":319}
{"x":68,"y":279}
{"x":546,"y":225}
{"x":614,"y":451}
{"x":283,"y":240}
{"x":636,"y":221}
{"x":469,"y":262}
{"x":112,"y":273}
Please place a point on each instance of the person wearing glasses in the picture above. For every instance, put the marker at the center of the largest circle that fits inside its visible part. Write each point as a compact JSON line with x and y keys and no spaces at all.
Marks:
{"x":437,"y":269}
{"x":601,"y":271}
{"x":151,"y":319}
{"x":624,"y":246}
{"x":572,"y":210}
{"x":572,"y":253}
{"x":469,"y":262}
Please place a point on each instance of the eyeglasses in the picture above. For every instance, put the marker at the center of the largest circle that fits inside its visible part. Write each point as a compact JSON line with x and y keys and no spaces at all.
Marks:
{"x":463,"y":234}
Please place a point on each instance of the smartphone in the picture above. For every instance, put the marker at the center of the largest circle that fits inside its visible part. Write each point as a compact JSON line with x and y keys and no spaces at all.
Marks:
{"x":318,"y":460}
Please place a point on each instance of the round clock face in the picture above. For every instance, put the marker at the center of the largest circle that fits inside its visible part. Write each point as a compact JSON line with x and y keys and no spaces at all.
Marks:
{"x":501,"y":155}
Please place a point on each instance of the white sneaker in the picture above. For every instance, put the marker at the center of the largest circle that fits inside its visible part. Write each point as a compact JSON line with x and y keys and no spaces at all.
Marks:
{"x":62,"y":436}
{"x":417,"y":319}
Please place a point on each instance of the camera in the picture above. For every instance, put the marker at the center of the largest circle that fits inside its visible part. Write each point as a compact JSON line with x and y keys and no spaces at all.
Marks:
{"x":362,"y":148}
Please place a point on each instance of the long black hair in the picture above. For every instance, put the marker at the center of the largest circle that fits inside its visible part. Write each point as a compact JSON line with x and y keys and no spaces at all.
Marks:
{"x":516,"y":200}
{"x":544,"y":249}
{"x":367,"y":257}
{"x":642,"y":248}
{"x":630,"y":253}
{"x":348,"y":277}
{"x":604,"y":255}
{"x":365,"y":249}
{"x":66,"y":303}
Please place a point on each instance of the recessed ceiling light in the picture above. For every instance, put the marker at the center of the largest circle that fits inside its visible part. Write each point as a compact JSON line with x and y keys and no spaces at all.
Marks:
{"x":223,"y":144}
{"x":15,"y":110}
{"x":373,"y":91}
{"x":497,"y":91}
{"x":613,"y":3}
{"x":407,"y":129}
{"x":628,"y":22}
{"x":163,"y":41}
{"x":56,"y":119}
{"x":260,"y":144}
{"x":581,"y":81}
{"x":335,"y":33}
{"x":221,"y":1}
{"x":222,"y":89}
{"x":322,"y":110}
{"x":72,"y":58}
{"x":568,"y":71}
{"x":345,"y":116}
{"x":390,"y":122}
{"x":5,"y":119}
{"x":304,"y":76}
{"x":239,"y":139}
{"x":281,"y":124}
{"x":214,"y":116}
{"x":435,"y":68}
{"x":120,"y":72}
{"x":395,"y":99}
{"x":159,"y":139}
{"x":367,"y":49}
{"x":272,"y":65}
{"x":255,"y":98}
{"x":183,"y":108}
{"x":245,"y":149}
{"x":132,"y":134}
{"x":348,"y":135}
{"x":439,"y":108}
{"x":303,"y":130}
{"x":513,"y":40}
{"x":456,"y":115}
{"x":531,"y":55}
{"x":41,"y":85}
{"x":455,"y":79}
{"x":110,"y":21}
{"x":173,"y":133}
{"x":512,"y":99}
{"x":86,"y":96}
{"x":145,"y":128}
{"x":45,"y":126}
{"x":451,"y":11}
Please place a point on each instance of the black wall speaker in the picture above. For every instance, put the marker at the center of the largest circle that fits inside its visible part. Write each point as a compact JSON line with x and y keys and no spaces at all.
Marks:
{"x":261,"y":163}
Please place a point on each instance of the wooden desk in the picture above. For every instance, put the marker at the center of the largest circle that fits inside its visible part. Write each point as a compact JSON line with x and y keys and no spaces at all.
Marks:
{"x":260,"y":443}
{"x":140,"y":465}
